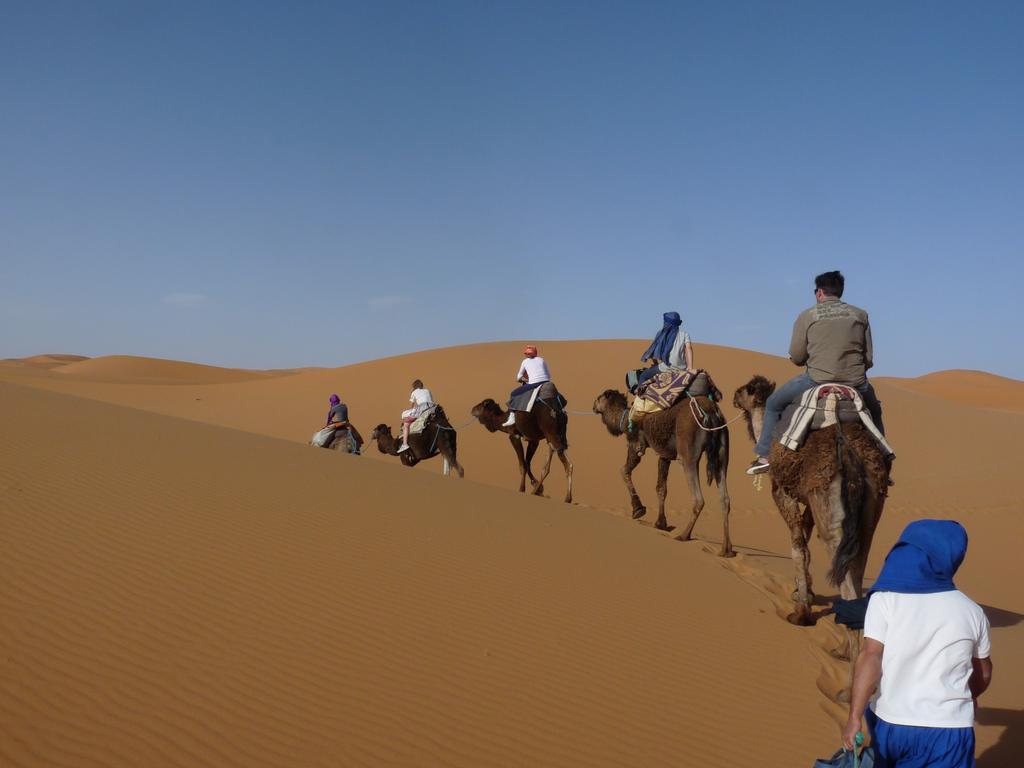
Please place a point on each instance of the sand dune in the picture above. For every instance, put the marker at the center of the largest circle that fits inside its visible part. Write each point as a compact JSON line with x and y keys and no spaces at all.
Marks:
{"x":973,"y":388}
{"x":43,"y":361}
{"x":149,"y":370}
{"x":312,"y":607}
{"x":226,"y":599}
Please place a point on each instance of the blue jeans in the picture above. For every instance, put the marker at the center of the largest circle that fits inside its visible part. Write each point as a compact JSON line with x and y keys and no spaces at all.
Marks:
{"x":790,"y":392}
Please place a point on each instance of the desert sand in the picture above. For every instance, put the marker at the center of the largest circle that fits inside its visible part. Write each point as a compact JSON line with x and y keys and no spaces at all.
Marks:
{"x":183,"y":581}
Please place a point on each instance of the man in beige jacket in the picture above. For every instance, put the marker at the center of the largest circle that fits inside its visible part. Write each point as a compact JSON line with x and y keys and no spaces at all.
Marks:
{"x":833,"y":340}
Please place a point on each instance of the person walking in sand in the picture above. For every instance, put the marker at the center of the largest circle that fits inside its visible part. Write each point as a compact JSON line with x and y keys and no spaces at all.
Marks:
{"x":670,"y":348}
{"x":833,"y":340}
{"x":421,"y":401}
{"x":927,"y":651}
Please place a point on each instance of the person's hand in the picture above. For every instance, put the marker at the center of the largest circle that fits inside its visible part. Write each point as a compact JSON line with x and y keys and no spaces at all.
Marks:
{"x":850,"y":732}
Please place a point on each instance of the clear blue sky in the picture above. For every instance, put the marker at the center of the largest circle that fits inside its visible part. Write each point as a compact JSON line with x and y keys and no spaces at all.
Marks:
{"x":314,"y":183}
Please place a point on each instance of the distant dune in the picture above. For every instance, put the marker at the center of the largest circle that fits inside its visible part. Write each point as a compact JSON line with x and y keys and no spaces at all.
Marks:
{"x":128,"y":369}
{"x":43,"y":361}
{"x":184,"y":582}
{"x":974,"y":388}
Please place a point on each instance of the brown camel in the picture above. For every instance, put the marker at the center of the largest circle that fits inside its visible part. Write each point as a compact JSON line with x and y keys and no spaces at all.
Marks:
{"x":542,"y":423}
{"x":690,"y":428}
{"x":837,"y":481}
{"x":437,"y":437}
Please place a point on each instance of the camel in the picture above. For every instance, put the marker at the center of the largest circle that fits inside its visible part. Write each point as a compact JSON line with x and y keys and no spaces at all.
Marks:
{"x":542,"y":423}
{"x":674,"y":434}
{"x":438,"y":436}
{"x":837,"y":481}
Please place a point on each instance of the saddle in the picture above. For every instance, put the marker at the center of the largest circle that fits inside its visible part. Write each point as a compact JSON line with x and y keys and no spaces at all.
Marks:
{"x":421,"y":421}
{"x":667,"y":388}
{"x":546,"y":393}
{"x":820,"y":407}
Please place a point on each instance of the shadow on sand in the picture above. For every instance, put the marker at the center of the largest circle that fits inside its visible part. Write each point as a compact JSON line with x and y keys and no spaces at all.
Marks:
{"x":1008,"y":752}
{"x":997,"y":617}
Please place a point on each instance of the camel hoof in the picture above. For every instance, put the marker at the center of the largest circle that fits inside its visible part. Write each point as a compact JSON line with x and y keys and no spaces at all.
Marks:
{"x":639,"y":512}
{"x":661,"y":525}
{"x":727,"y":553}
{"x":801,"y":618}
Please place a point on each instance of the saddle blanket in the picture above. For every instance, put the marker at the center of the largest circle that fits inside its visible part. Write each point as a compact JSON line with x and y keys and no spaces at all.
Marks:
{"x":546,"y":392}
{"x":841,"y":404}
{"x":421,"y":421}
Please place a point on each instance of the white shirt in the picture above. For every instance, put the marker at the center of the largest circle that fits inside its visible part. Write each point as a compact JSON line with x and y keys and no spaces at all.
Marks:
{"x":536,"y":369}
{"x":677,"y":355}
{"x":929,"y":643}
{"x":421,"y":400}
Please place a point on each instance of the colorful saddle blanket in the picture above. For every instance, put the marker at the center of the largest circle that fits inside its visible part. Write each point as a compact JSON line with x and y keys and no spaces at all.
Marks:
{"x":665,"y":389}
{"x":822,"y":406}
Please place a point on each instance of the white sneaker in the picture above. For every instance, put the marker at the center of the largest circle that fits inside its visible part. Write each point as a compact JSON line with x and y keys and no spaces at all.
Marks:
{"x":760,"y":466}
{"x":403,"y":448}
{"x":511,"y":420}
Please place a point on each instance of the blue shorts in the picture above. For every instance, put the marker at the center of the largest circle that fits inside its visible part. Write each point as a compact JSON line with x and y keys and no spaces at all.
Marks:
{"x":911,"y":746}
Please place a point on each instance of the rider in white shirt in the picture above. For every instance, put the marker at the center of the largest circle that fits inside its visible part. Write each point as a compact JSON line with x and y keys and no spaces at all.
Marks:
{"x":421,"y":401}
{"x":532,"y":373}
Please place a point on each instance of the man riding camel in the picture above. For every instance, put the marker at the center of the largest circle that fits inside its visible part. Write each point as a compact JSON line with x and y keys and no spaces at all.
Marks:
{"x":833,"y":340}
{"x":671,"y":348}
{"x":421,"y":401}
{"x":337,"y":419}
{"x":532,"y":373}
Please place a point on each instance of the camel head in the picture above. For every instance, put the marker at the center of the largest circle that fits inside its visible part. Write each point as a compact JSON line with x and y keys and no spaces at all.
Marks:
{"x":488,"y":413}
{"x":751,"y":398}
{"x":385,"y":440}
{"x":610,"y":405}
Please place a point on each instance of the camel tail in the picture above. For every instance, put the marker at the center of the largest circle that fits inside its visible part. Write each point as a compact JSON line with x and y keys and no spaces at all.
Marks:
{"x":853,"y":496}
{"x":717,"y":448}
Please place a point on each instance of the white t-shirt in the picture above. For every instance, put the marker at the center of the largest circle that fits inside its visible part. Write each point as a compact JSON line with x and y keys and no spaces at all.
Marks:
{"x":421,"y":400}
{"x":929,"y":643}
{"x":677,"y":355}
{"x":536,"y":369}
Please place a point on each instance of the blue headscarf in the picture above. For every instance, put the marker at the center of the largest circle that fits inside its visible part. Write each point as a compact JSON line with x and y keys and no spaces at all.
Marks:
{"x":924,"y":558}
{"x":666,"y":337}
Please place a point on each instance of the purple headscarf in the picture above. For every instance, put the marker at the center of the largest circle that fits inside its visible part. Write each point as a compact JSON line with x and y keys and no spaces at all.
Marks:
{"x":334,"y":401}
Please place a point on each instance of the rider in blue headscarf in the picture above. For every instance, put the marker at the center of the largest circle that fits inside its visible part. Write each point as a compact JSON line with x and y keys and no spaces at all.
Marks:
{"x":666,"y":337}
{"x":670,"y":348}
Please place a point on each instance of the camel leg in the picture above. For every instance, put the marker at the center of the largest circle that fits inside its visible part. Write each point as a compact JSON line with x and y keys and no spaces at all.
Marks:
{"x":531,"y":449}
{"x":693,"y":478}
{"x":791,"y":513}
{"x":517,"y":446}
{"x":538,"y":487}
{"x":663,"y":467}
{"x":632,"y":461}
{"x":726,"y":502}
{"x":564,"y":458}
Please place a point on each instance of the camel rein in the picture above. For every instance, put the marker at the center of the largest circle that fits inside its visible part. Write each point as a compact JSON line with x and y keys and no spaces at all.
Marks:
{"x":698,"y":421}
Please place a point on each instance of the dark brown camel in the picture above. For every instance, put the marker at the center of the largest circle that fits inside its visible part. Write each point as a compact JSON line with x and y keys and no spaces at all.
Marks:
{"x":437,"y":437}
{"x":683,"y":432}
{"x":836,"y":481}
{"x":542,"y":423}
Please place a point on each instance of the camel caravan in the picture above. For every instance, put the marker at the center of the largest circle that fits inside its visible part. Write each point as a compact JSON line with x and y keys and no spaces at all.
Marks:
{"x":819,"y":438}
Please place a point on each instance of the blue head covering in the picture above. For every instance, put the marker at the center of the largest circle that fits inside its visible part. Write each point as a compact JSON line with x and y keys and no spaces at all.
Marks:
{"x":666,"y":337}
{"x":924,"y":558}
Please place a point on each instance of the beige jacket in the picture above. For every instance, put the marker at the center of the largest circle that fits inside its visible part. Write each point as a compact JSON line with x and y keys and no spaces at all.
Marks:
{"x":833,"y":339}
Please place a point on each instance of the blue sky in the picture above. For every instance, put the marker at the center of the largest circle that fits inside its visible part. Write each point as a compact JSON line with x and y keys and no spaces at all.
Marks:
{"x":314,"y":183}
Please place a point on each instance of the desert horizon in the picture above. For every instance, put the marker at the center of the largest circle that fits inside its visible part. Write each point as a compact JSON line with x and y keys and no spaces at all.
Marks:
{"x":187,"y":582}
